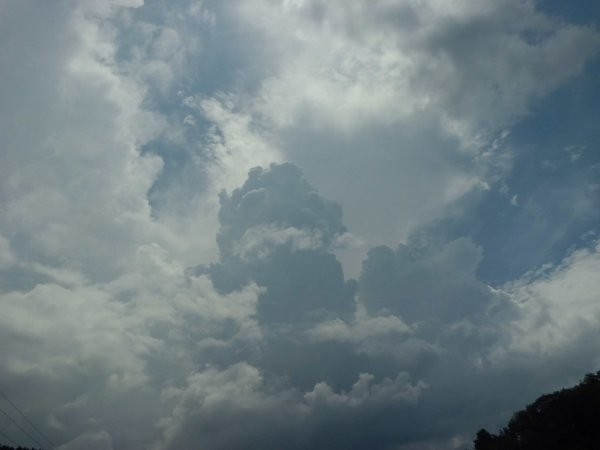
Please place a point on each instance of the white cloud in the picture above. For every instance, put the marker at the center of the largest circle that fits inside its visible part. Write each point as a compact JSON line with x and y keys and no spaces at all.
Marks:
{"x":410,"y":56}
{"x":417,"y":93}
{"x":235,"y":144}
{"x":256,"y":242}
{"x":75,"y":184}
{"x":362,"y":329}
{"x":364,"y":391}
{"x":397,"y":109}
{"x":107,"y":348}
{"x":558,"y":308}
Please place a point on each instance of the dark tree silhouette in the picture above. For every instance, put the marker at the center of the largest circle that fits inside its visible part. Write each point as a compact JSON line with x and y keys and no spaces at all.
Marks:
{"x":568,"y":419}
{"x":6,"y":447}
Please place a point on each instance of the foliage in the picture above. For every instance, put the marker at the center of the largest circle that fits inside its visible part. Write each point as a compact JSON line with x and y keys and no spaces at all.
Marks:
{"x":565,"y":419}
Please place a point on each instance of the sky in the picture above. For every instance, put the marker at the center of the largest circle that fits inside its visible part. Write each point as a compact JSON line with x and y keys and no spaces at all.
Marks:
{"x":299,"y":224}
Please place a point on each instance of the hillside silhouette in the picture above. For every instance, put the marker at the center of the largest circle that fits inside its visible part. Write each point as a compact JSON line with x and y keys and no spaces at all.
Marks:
{"x":566,"y":419}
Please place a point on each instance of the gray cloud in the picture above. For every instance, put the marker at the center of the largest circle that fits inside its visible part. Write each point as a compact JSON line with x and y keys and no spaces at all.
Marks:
{"x":205,"y":413}
{"x":196,"y":367}
{"x":140,"y":309}
{"x":402,"y":282}
{"x":278,"y":231}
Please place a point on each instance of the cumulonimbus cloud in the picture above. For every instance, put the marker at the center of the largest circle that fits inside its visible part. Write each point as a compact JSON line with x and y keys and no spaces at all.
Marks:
{"x":141,"y":309}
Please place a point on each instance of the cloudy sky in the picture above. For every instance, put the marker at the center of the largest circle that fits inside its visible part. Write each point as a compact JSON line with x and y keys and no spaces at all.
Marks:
{"x":299,"y":224}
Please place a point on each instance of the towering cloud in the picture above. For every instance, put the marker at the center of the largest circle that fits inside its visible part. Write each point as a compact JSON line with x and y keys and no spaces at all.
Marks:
{"x":279,"y":232}
{"x":168,"y":280}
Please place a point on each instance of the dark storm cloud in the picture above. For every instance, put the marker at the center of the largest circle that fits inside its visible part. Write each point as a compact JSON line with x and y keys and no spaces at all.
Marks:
{"x":234,"y":410}
{"x":299,"y":387}
{"x":277,"y":231}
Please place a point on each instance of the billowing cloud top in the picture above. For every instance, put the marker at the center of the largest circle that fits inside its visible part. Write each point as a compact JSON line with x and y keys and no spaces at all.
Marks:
{"x":293,"y":224}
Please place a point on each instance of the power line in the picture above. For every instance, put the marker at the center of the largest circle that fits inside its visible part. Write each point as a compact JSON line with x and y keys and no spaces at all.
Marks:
{"x":26,"y":419}
{"x":21,"y":428}
{"x":5,"y":436}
